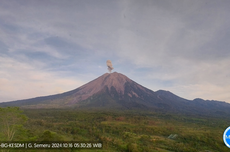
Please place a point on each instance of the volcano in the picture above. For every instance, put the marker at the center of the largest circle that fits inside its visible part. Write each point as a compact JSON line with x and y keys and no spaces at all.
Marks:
{"x":117,"y":91}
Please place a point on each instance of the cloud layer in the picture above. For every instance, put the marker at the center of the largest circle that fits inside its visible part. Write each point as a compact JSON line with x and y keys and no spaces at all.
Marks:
{"x":55,"y":46}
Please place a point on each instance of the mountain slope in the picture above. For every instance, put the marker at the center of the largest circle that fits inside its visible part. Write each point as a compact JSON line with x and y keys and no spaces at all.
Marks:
{"x":116,"y":91}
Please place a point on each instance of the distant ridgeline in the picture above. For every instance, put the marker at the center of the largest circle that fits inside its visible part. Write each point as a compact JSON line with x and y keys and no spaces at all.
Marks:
{"x":117,"y":91}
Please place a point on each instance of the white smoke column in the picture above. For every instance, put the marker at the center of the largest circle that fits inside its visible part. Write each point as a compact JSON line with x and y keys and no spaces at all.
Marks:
{"x":110,"y":66}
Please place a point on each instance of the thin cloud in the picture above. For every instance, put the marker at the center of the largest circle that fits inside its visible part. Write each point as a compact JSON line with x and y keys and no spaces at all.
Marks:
{"x":20,"y":81}
{"x":171,"y":44}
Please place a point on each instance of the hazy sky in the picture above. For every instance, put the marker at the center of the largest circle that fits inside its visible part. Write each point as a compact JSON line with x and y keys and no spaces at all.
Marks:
{"x":52,"y":46}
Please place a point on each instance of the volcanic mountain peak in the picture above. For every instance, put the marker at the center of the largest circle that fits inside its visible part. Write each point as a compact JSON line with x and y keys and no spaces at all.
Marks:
{"x":116,"y":91}
{"x":116,"y":80}
{"x":109,"y":80}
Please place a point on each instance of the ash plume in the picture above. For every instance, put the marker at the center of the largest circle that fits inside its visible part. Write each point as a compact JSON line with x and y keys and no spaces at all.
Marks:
{"x":109,"y":65}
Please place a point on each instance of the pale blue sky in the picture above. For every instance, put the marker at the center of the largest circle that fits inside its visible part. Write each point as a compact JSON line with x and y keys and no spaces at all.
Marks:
{"x":52,"y":46}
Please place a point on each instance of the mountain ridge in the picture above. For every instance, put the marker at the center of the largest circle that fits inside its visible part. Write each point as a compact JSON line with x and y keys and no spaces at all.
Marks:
{"x":115,"y":90}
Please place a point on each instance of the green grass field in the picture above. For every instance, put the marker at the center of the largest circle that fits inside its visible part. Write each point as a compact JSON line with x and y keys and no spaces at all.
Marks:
{"x":129,"y":131}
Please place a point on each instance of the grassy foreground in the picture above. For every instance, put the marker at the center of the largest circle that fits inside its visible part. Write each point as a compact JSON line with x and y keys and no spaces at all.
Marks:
{"x":130,"y":131}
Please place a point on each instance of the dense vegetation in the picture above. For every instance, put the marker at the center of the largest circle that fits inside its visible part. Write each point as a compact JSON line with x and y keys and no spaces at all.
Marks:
{"x":132,"y":131}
